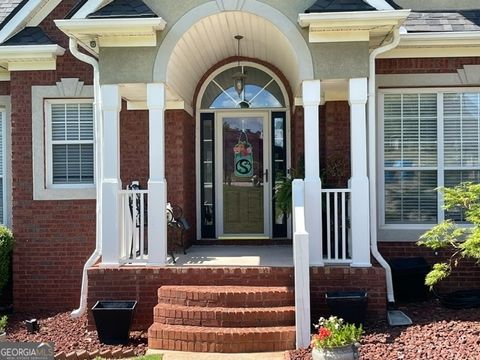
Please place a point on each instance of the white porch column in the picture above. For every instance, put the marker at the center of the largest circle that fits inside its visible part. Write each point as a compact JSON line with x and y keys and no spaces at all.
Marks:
{"x":157,"y":184}
{"x":313,"y":185}
{"x":360,"y":212}
{"x":111,"y":183}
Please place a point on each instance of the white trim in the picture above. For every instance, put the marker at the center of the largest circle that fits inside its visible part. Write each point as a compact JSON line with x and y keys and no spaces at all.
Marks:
{"x":439,"y":91}
{"x":40,"y":15}
{"x":89,"y":7}
{"x":277,"y":18}
{"x":49,"y":144}
{"x":5,"y":108}
{"x":353,"y":18}
{"x":380,"y":4}
{"x":215,"y":111}
{"x":113,"y":32}
{"x":66,"y":89}
{"x":421,"y":45}
{"x":30,"y":57}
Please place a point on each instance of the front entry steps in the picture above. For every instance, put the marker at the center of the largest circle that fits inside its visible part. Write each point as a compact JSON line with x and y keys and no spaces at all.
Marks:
{"x":228,"y":319}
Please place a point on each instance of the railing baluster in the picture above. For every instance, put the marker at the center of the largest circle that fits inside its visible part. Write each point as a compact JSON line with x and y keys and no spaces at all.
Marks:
{"x":142,"y":226}
{"x":335,"y":207}
{"x":329,"y":245}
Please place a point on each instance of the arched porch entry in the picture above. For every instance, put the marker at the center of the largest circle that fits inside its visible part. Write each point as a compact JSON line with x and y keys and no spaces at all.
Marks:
{"x":196,"y":61}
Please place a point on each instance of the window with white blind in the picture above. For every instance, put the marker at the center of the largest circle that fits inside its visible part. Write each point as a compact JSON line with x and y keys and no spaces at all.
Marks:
{"x":430,"y":139}
{"x":70,"y":143}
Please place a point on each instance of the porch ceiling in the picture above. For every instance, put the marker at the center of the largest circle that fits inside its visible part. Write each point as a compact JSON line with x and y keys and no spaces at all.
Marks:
{"x":211,"y":40}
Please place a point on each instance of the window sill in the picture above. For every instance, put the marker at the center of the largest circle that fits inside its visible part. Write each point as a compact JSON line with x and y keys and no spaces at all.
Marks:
{"x":71,"y":193}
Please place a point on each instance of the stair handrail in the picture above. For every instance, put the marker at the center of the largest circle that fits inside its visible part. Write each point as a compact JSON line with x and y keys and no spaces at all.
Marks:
{"x":301,"y":265}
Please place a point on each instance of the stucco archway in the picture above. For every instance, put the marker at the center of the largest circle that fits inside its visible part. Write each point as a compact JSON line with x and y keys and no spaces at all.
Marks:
{"x":204,"y":36}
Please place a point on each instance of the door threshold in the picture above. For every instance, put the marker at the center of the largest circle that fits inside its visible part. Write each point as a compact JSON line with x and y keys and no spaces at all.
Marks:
{"x":243,"y":237}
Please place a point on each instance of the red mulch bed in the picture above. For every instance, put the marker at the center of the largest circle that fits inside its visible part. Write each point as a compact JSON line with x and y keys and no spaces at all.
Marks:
{"x":68,"y":334}
{"x":437,"y":333}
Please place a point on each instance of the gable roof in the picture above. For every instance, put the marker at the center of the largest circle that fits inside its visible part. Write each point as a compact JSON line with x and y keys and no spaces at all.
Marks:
{"x":29,"y":36}
{"x":8,"y":8}
{"x":339,"y":6}
{"x":439,"y":21}
{"x":123,"y":9}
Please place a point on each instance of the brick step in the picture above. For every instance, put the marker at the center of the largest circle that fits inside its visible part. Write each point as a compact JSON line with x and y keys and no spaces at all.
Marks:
{"x":224,"y":317}
{"x":226,"y":296}
{"x":218,"y":339}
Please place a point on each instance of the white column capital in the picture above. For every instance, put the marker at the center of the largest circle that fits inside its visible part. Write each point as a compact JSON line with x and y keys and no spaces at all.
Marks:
{"x":311,"y":93}
{"x":111,"y":100}
{"x":357,"y":91}
{"x":156,"y":96}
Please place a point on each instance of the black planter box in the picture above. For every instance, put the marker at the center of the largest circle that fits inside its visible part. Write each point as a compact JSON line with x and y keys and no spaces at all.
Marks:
{"x":408,"y":276}
{"x":113,"y":319}
{"x":351,"y":306}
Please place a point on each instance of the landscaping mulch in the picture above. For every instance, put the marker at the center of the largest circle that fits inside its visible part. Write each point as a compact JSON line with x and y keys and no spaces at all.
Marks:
{"x":69,"y":335}
{"x":437,"y":333}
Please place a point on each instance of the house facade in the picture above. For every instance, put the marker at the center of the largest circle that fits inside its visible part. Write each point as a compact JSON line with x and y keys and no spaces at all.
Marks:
{"x":209,"y":105}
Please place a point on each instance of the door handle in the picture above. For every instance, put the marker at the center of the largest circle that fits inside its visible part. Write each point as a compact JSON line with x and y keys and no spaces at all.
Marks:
{"x":266,"y":175}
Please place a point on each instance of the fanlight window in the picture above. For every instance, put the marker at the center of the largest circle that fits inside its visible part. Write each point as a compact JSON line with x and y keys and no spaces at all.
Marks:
{"x":261,"y":91}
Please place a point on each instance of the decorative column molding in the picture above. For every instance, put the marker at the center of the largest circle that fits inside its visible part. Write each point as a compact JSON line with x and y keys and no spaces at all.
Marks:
{"x":360,"y":198}
{"x":313,"y":186}
{"x":111,"y":183}
{"x":157,"y":184}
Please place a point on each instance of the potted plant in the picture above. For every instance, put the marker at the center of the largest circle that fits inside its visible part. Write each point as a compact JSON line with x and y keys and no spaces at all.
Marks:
{"x":335,"y":340}
{"x":3,"y":328}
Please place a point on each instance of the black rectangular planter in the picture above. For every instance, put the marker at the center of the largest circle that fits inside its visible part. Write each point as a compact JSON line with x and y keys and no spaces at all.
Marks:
{"x":408,"y":275}
{"x":113,"y":319}
{"x":351,"y":306}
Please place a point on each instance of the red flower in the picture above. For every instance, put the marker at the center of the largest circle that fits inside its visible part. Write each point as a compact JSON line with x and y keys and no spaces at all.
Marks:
{"x":323,"y":333}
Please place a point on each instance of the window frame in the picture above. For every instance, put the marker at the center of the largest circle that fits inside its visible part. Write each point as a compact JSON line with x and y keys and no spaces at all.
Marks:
{"x":441,"y":168}
{"x":49,"y":144}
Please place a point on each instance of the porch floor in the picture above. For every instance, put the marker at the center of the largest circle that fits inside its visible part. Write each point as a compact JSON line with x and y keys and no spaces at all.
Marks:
{"x":235,"y":255}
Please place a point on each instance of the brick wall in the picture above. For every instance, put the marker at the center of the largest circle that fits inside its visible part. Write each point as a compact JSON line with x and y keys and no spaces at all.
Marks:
{"x":465,"y":276}
{"x":335,"y":144}
{"x":53,"y":238}
{"x":141,"y":284}
{"x":180,"y":164}
{"x":423,"y":65}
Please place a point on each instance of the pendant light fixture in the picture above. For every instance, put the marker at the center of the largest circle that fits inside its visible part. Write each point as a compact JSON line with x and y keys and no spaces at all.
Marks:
{"x":239,"y":77}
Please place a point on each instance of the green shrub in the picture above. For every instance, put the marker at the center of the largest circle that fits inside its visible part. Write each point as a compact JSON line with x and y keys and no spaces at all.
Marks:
{"x":6,"y":246}
{"x":3,"y":323}
{"x":463,"y":241}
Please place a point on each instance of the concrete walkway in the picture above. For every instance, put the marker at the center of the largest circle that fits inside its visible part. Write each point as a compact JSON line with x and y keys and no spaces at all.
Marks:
{"x":181,"y":355}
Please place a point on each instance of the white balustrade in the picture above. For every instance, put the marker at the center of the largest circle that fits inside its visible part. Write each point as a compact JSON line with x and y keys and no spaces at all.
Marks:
{"x":301,"y":265}
{"x":132,"y":229}
{"x":336,"y":246}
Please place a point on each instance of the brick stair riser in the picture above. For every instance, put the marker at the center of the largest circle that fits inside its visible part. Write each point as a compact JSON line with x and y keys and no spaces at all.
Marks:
{"x":188,"y":338}
{"x":191,"y":297}
{"x":224,"y":317}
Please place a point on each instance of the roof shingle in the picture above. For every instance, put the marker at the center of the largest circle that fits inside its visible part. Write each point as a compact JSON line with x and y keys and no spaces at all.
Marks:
{"x":29,"y":36}
{"x":123,"y":9}
{"x":339,"y":6}
{"x":462,"y":20}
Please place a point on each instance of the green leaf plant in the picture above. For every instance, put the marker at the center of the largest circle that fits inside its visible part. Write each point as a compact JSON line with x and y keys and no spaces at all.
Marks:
{"x":463,"y":239}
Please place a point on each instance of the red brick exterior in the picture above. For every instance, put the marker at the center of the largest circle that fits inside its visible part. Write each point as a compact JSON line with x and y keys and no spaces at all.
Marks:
{"x":141,"y":284}
{"x":423,"y":65}
{"x":53,"y":238}
{"x":465,"y":276}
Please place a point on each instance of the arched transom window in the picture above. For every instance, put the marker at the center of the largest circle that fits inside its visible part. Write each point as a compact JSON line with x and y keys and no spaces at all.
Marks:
{"x":260,"y":91}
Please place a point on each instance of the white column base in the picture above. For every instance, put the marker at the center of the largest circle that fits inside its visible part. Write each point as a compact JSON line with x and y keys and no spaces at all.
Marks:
{"x":360,"y":222}
{"x":313,"y":220}
{"x":111,"y":223}
{"x":157,"y":223}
